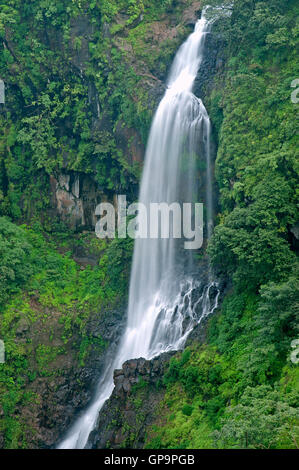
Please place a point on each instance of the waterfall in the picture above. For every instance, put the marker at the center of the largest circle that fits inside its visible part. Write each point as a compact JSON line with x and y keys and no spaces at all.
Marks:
{"x":165,"y":300}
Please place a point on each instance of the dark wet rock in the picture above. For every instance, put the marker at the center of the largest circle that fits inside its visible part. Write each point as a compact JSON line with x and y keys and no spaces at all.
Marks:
{"x":65,"y":389}
{"x":137,"y":384}
{"x":295,"y":231}
{"x":294,"y":236}
{"x":22,"y":328}
{"x":74,"y":197}
{"x":192,"y":14}
{"x":212,"y":64}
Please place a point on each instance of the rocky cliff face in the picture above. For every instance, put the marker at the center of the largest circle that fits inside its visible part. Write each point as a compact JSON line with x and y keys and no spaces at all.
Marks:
{"x":74,"y":195}
{"x":118,"y":89}
{"x":135,"y":404}
{"x":124,"y":419}
{"x":65,"y":387}
{"x":82,"y":123}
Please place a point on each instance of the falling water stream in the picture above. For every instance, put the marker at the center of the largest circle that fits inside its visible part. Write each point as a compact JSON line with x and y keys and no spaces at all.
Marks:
{"x":165,"y":300}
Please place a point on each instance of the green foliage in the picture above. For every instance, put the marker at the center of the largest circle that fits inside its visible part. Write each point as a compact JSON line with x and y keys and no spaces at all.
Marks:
{"x":223,"y":410}
{"x":14,"y":253}
{"x":251,"y":244}
{"x":187,"y":410}
{"x":240,"y":389}
{"x":48,"y":299}
{"x":277,"y":324}
{"x":261,"y":420}
{"x":256,"y":165}
{"x":243,"y":393}
{"x":68,"y":98}
{"x":45,"y":355}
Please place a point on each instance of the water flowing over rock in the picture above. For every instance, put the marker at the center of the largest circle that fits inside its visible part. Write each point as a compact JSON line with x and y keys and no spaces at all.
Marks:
{"x":166,"y":298}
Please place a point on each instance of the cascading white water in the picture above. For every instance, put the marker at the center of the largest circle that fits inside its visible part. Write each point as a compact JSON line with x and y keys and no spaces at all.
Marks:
{"x":165,"y":302}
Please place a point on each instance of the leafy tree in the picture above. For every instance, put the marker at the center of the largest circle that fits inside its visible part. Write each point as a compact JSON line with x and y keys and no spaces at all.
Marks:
{"x":261,"y":420}
{"x":14,"y":251}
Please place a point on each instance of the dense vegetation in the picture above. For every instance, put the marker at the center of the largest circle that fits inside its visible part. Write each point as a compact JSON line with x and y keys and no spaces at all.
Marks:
{"x":72,"y":84}
{"x":72,"y":89}
{"x":51,"y":110}
{"x":47,"y":300}
{"x":242,"y":389}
